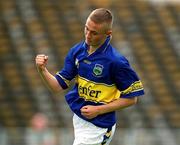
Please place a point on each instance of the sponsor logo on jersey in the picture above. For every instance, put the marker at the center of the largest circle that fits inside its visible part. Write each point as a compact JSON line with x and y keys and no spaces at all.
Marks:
{"x":86,"y":61}
{"x":97,"y":92}
{"x":77,"y":63}
{"x":88,"y":91}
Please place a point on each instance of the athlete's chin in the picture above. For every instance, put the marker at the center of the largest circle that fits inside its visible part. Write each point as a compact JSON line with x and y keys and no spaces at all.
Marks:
{"x":88,"y":42}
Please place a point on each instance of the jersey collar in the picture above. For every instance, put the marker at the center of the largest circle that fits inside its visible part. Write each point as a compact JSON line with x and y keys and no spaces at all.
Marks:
{"x":102,"y":48}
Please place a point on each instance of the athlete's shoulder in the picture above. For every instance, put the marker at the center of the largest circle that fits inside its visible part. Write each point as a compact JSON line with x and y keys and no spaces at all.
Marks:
{"x":116,"y":57}
{"x":77,"y":47}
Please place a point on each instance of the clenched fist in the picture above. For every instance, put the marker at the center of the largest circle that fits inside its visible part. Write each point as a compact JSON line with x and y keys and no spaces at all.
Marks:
{"x":41,"y":61}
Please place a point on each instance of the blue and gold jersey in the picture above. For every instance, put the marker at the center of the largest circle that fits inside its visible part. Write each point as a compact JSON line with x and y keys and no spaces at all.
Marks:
{"x":101,"y":78}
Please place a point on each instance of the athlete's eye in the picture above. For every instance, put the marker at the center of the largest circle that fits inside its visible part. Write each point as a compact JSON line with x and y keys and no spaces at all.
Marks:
{"x":92,"y":32}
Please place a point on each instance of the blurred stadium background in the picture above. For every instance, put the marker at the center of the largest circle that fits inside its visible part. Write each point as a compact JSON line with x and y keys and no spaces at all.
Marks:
{"x":146,"y":32}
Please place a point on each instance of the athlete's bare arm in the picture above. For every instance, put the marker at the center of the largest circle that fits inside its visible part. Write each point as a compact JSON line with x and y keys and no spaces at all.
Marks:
{"x":41,"y":62}
{"x":90,"y":111}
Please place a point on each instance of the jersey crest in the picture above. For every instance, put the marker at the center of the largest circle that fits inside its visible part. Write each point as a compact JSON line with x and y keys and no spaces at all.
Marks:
{"x":98,"y":69}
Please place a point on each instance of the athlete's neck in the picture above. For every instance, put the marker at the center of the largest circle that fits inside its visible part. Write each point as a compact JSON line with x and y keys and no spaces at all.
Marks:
{"x":92,"y":49}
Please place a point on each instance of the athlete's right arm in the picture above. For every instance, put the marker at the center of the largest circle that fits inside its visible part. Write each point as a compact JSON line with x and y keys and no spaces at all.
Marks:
{"x":48,"y":78}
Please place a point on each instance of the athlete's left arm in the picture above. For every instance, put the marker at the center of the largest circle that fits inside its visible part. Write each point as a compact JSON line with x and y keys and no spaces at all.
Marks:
{"x":90,"y":111}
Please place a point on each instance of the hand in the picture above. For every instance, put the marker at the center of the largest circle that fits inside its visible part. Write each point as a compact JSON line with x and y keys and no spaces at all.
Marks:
{"x":41,"y":61}
{"x":90,"y":111}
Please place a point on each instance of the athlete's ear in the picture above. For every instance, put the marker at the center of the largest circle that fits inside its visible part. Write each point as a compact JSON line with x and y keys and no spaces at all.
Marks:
{"x":109,"y":32}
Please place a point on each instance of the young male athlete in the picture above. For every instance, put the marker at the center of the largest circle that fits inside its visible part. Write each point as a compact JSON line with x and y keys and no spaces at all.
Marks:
{"x":105,"y":82}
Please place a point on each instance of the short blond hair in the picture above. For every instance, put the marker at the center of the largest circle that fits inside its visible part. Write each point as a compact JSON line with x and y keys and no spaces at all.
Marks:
{"x":102,"y":16}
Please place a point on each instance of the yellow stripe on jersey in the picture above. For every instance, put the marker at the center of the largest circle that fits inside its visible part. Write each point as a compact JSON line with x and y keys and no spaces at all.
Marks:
{"x":97,"y":92}
{"x":136,"y":86}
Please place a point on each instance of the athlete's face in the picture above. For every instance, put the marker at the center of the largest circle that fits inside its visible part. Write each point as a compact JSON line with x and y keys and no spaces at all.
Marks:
{"x":95,"y":34}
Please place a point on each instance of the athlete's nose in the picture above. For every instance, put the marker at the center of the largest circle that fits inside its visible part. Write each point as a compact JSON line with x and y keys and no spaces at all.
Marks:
{"x":88,"y":35}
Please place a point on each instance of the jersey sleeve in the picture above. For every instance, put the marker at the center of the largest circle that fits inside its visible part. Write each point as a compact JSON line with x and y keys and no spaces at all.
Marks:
{"x":126,"y":80}
{"x":68,"y":72}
